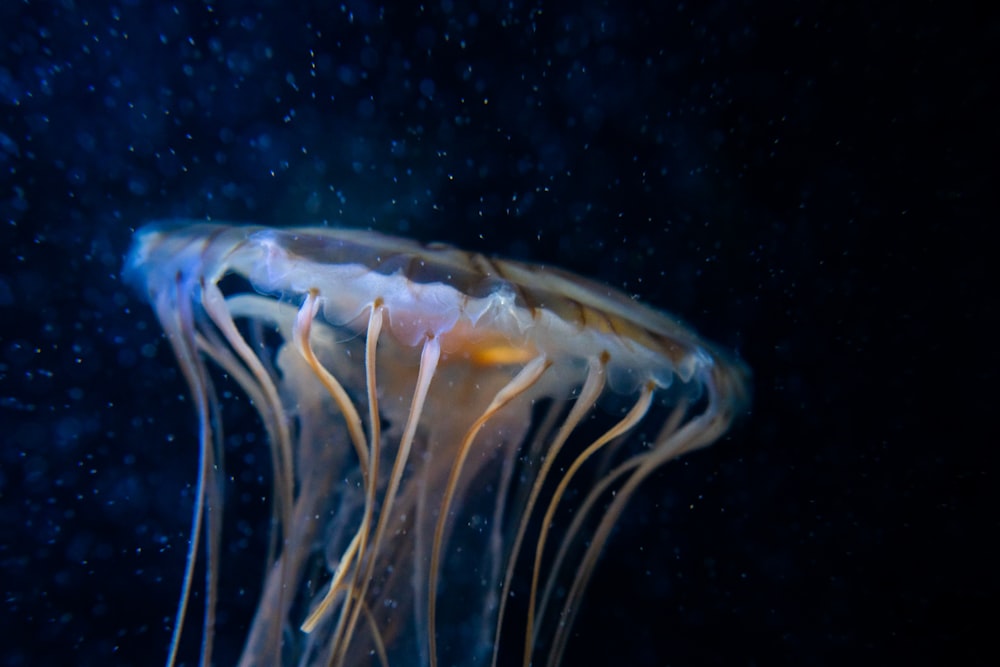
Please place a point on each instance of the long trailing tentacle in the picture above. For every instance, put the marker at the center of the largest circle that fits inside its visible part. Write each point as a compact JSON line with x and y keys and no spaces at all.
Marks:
{"x":367,"y":452}
{"x":429,"y":357}
{"x":582,"y":511}
{"x":627,"y":423}
{"x":174,"y":311}
{"x":589,"y":393}
{"x":520,"y":383}
{"x":700,"y":431}
{"x":214,"y":303}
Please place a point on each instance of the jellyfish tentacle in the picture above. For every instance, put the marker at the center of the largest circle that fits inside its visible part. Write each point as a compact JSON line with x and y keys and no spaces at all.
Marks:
{"x":627,"y":423}
{"x":345,"y":566}
{"x":375,"y":322}
{"x":300,"y":332}
{"x":429,"y":357}
{"x":383,"y":656}
{"x":583,"y":511}
{"x":524,"y":380}
{"x":355,"y":553}
{"x":178,"y":324}
{"x":214,"y":303}
{"x":212,"y":347}
{"x":213,"y":524}
{"x":589,"y":393}
{"x":700,"y":431}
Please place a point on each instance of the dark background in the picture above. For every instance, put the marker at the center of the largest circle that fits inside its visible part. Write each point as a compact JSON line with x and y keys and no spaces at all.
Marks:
{"x":807,"y":183}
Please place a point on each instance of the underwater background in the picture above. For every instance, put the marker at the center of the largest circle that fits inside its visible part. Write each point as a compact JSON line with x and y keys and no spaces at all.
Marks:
{"x":808,"y":184}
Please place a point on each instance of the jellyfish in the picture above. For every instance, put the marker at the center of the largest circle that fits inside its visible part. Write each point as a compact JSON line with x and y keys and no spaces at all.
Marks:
{"x":451,"y":437}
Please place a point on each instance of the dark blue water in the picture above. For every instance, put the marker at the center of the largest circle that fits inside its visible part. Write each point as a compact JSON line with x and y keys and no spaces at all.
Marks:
{"x":805,"y":184}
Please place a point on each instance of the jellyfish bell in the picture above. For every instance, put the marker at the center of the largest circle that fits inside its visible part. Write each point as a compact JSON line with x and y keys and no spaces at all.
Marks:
{"x":451,"y":437}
